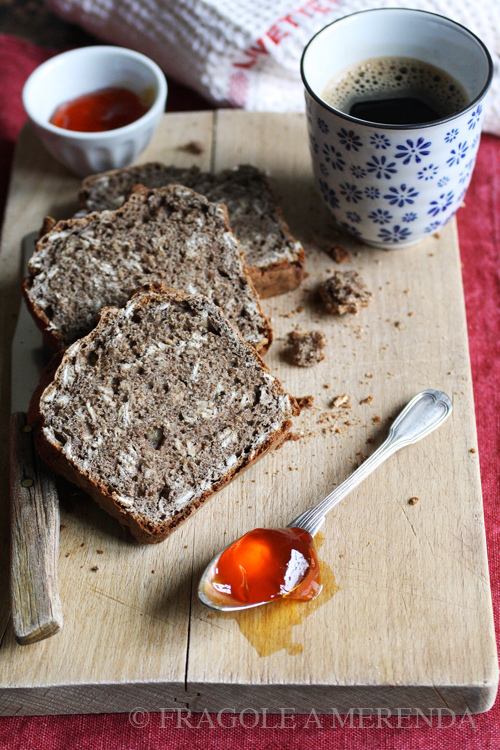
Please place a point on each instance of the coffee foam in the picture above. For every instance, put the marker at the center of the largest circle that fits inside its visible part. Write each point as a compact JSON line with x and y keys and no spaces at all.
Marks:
{"x":392,"y":77}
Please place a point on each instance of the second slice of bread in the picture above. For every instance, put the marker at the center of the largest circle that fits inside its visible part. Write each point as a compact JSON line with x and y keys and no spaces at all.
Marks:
{"x":171,"y":236}
{"x":275,"y":259}
{"x":160,"y":406}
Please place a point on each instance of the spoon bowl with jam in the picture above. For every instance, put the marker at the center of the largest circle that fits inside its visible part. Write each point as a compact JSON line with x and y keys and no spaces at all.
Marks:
{"x":262,"y":565}
{"x":268,"y":564}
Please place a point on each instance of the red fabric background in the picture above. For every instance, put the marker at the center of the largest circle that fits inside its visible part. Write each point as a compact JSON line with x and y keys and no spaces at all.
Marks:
{"x":479,"y":230}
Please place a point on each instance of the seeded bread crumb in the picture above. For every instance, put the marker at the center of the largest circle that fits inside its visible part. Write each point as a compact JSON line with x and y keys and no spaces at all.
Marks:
{"x":306,"y":349}
{"x":304,"y":402}
{"x":160,"y":406}
{"x":344,"y":292}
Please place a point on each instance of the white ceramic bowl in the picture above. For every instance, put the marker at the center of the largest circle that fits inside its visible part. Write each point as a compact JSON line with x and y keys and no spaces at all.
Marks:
{"x":83,"y":71}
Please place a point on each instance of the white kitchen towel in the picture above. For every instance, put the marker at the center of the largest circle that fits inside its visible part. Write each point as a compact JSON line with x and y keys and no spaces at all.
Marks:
{"x":246,"y":53}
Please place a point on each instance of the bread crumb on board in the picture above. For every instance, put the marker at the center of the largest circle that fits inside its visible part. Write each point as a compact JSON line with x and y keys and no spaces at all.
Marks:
{"x":344,"y":401}
{"x":338,"y":253}
{"x":293,"y":436}
{"x":306,"y":349}
{"x":304,"y":402}
{"x":344,"y":292}
{"x":193,"y":147}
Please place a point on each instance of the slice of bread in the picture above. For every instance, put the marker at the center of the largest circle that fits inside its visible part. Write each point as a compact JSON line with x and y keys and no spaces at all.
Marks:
{"x":170,"y":235}
{"x":275,"y":259}
{"x":160,"y":406}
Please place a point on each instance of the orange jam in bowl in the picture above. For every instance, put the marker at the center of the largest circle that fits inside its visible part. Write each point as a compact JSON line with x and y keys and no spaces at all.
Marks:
{"x":102,"y":110}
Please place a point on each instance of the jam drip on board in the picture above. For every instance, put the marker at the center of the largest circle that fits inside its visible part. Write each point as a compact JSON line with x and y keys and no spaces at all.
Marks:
{"x":272,"y":629}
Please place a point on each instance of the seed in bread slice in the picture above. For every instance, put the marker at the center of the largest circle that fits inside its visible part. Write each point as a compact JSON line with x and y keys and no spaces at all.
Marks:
{"x":160,"y":406}
{"x":171,"y":235}
{"x":275,"y":259}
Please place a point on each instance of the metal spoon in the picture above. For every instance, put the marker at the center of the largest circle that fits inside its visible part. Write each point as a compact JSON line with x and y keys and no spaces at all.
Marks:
{"x":426,"y":411}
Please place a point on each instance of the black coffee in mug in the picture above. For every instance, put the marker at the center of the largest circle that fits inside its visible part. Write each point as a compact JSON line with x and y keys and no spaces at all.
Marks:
{"x":395,"y":91}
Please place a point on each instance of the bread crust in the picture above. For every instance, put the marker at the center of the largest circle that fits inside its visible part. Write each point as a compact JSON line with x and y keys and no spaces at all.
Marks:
{"x":47,"y":224}
{"x":143,"y":530}
{"x":284,"y":275}
{"x":278,"y":278}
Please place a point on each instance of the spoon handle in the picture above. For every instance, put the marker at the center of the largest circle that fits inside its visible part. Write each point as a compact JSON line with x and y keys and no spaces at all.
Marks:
{"x":426,"y":411}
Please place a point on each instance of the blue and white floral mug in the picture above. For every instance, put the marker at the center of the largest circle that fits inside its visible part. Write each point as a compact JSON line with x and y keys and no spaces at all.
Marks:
{"x":391,"y":185}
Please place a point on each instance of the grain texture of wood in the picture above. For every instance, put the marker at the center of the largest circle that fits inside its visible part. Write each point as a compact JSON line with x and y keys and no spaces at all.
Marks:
{"x":406,"y":619}
{"x":36,"y":606}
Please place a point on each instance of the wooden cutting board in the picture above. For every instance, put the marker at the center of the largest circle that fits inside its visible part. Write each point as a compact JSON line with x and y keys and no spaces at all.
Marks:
{"x":405,"y":619}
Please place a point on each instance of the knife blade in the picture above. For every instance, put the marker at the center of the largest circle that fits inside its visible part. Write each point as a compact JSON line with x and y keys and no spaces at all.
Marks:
{"x":36,"y":607}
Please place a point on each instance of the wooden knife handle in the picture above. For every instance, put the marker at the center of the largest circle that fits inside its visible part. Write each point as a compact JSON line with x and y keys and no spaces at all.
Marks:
{"x":36,"y":608}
